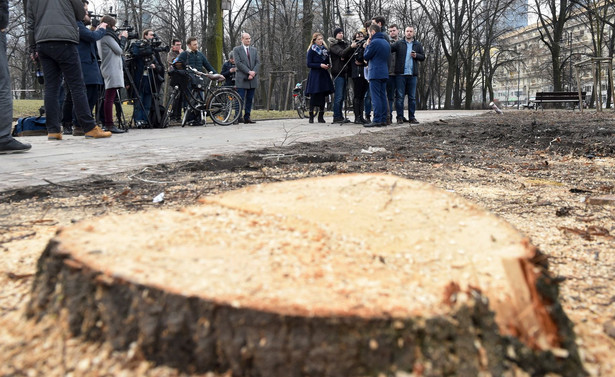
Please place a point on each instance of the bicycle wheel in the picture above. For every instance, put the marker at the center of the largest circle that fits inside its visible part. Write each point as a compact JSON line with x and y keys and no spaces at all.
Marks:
{"x":224,"y":106}
{"x":299,"y":107}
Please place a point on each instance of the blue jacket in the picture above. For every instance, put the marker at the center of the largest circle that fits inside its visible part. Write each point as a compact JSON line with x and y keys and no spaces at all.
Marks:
{"x":319,"y":79}
{"x":88,"y":54}
{"x":377,"y":55}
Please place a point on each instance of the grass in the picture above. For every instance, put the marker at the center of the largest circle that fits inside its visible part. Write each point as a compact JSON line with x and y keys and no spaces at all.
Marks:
{"x":25,"y":108}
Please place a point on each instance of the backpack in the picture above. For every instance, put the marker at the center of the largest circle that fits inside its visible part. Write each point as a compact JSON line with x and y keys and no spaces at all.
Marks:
{"x":31,"y":126}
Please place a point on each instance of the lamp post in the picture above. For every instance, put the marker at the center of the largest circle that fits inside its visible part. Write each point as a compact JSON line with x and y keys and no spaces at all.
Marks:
{"x":518,"y":83}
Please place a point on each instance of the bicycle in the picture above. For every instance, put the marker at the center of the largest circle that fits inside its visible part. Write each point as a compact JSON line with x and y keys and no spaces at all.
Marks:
{"x":223,"y":104}
{"x":300,"y":99}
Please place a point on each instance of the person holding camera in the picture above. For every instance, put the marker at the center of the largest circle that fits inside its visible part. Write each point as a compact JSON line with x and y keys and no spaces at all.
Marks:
{"x":341,"y":51}
{"x":8,"y":144}
{"x":409,"y":54}
{"x":148,"y":74}
{"x":53,"y":35}
{"x":111,"y":50}
{"x":357,"y":72}
{"x":228,"y":71}
{"x":176,"y":49}
{"x":319,"y":84}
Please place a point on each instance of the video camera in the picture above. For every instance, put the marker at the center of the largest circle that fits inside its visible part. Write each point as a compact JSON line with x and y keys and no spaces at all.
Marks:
{"x":157,"y":45}
{"x":132,"y":34}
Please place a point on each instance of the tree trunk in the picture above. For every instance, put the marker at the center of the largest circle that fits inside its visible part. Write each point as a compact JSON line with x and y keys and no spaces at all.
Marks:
{"x":264,"y":283}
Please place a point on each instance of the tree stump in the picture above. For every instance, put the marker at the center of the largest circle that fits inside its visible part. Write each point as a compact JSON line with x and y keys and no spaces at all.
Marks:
{"x":352,"y":275}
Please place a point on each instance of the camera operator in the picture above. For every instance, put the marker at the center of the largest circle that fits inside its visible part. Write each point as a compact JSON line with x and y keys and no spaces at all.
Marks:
{"x":91,"y":72}
{"x":148,"y":74}
{"x":111,"y":49}
{"x":176,"y":49}
{"x":357,"y":70}
{"x":228,"y":71}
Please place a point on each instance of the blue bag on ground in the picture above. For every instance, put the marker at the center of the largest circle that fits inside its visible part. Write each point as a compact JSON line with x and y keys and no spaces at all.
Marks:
{"x":30,"y":126}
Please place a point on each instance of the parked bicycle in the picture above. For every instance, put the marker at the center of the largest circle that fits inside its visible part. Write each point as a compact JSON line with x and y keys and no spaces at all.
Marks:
{"x":300,"y":100}
{"x":223,"y":104}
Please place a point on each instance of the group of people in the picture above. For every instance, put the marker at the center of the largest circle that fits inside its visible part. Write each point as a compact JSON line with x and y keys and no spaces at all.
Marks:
{"x":78,"y":60}
{"x":383,"y":68}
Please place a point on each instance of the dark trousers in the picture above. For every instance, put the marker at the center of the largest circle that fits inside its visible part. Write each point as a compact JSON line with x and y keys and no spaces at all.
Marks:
{"x":247,"y":96}
{"x":360,"y":88}
{"x":392,"y":95}
{"x":57,"y":59}
{"x":378,"y":89}
{"x":68,"y":113}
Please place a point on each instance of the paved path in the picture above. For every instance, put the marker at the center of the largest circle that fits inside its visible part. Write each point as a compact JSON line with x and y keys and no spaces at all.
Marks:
{"x":77,"y":157}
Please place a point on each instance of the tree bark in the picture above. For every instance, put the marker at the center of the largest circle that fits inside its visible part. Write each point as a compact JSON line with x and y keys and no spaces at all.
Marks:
{"x":469,"y":329}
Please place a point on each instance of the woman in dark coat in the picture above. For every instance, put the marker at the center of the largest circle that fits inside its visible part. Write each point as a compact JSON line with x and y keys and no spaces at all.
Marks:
{"x":319,"y":83}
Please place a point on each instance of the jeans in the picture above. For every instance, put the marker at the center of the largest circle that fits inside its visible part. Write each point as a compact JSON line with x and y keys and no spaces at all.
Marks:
{"x":340,"y":92}
{"x":6,"y":100}
{"x":247,"y":96}
{"x":391,"y":94}
{"x":367,"y":104}
{"x":57,"y":59}
{"x":406,"y":84}
{"x":378,"y":89}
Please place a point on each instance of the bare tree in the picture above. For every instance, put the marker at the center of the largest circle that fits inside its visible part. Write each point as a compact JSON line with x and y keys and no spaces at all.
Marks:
{"x":552,"y":18}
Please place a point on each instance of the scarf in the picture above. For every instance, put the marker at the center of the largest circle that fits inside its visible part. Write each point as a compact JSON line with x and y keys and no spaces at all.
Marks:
{"x":320,"y":50}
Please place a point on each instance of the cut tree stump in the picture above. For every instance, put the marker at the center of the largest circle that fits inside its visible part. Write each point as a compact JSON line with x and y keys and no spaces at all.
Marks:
{"x":352,"y":275}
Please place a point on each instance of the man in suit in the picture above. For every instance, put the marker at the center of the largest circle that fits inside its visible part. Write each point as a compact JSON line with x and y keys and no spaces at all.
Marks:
{"x":247,"y":63}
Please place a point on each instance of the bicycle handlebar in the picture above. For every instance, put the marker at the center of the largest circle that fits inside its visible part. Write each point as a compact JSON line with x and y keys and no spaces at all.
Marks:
{"x":210,"y":75}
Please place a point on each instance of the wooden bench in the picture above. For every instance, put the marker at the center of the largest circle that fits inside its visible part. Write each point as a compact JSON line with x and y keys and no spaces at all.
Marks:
{"x":557,"y":97}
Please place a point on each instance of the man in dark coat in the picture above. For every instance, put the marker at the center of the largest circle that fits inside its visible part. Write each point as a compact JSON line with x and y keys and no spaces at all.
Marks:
{"x":377,"y":52}
{"x":7,"y":143}
{"x":148,"y":75}
{"x":409,"y":53}
{"x":52,"y":29}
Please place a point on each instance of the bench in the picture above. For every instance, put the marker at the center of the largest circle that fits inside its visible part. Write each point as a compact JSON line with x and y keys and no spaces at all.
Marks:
{"x":557,"y":97}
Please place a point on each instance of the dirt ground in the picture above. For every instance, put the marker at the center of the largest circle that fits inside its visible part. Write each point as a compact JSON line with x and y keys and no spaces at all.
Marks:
{"x":537,"y":170}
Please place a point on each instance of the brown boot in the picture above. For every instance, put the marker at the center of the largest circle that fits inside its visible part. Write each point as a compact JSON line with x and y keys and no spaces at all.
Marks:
{"x":54,"y":136}
{"x":97,"y":133}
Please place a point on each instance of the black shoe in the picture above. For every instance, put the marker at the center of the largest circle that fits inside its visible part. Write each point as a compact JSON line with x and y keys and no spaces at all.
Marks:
{"x":10,"y":145}
{"x":368,"y":119}
{"x":236,"y":121}
{"x":400,"y":120}
{"x":374,"y":124}
{"x":414,"y":121}
{"x":67,"y":128}
{"x":341,"y":120}
{"x":406,"y":120}
{"x":248,"y":121}
{"x":115,"y":130}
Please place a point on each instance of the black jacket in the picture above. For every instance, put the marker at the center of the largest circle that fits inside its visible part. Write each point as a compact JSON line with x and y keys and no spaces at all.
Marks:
{"x":54,"y":20}
{"x":4,"y":14}
{"x":340,"y":53}
{"x":400,"y":48}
